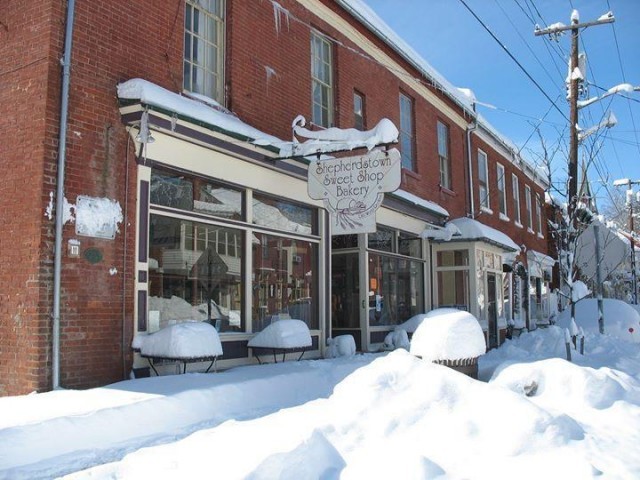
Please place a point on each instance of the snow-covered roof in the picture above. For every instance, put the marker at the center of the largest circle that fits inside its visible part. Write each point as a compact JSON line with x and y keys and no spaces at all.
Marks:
{"x":471,"y":230}
{"x":420,"y":202}
{"x":155,"y":96}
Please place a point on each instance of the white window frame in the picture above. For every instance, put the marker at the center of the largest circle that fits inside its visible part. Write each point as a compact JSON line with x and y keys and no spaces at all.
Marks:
{"x":502,"y":191}
{"x":204,"y":49}
{"x":321,"y":80}
{"x":443,"y":154}
{"x":539,"y":214}
{"x":406,"y":132}
{"x":527,"y":199}
{"x":483,"y":181}
{"x":515,"y":185}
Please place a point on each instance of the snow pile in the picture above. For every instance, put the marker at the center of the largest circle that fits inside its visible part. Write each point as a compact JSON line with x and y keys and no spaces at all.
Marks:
{"x":340,"y":346}
{"x":621,"y":320}
{"x":183,"y":340}
{"x":414,"y":322}
{"x":448,"y":334}
{"x":398,"y":338}
{"x":579,"y":291}
{"x":283,"y":334}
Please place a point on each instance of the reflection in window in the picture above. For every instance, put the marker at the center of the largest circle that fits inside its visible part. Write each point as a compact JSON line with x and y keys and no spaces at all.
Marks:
{"x":395,"y":289}
{"x":281,"y":215}
{"x":285,"y":280}
{"x":382,"y":239}
{"x":194,"y":275}
{"x":195,"y":194}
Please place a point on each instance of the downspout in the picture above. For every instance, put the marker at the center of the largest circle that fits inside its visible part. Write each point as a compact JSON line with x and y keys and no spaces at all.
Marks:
{"x":62,"y":152}
{"x":470,"y":129}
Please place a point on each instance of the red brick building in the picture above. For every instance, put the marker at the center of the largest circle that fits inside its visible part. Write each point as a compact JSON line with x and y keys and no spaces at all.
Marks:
{"x":206,"y":185}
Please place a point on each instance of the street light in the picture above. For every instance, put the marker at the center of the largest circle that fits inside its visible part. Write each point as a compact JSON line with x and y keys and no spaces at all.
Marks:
{"x":618,"y":89}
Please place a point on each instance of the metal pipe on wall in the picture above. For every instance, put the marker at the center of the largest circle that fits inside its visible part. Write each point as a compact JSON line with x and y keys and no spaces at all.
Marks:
{"x":62,"y":153}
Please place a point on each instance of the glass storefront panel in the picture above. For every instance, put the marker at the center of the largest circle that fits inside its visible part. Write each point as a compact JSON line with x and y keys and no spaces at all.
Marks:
{"x":383,"y":239}
{"x":195,"y":194}
{"x":281,"y":215}
{"x":409,"y":245}
{"x":194,"y":274}
{"x":345,"y":291}
{"x":285,"y":280}
{"x":453,"y":289}
{"x":396,"y":290}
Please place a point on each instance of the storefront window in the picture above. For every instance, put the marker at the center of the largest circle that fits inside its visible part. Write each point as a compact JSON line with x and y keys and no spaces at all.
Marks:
{"x":395,"y":289}
{"x":343,"y":242}
{"x":453,"y":289}
{"x":281,"y":215}
{"x":383,"y":240}
{"x":285,"y":280}
{"x":194,"y":194}
{"x":194,"y":274}
{"x":452,"y":274}
{"x":409,"y":245}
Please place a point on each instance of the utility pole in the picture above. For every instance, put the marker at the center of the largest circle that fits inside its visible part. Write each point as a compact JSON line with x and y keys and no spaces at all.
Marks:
{"x":574,"y":79}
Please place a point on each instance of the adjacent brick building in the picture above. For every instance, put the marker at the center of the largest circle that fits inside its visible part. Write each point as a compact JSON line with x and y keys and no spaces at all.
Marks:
{"x":332,"y":62}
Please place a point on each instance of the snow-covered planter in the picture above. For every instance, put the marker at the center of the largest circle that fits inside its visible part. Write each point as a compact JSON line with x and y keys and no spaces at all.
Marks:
{"x":183,"y":342}
{"x":282,"y":336}
{"x":450,"y":337}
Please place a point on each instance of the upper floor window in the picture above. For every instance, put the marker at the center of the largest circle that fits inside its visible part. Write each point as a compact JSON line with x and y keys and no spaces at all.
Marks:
{"x":527,"y":199}
{"x":443,"y":155}
{"x":483,"y":180}
{"x":203,"y":68}
{"x":358,"y":111}
{"x":321,"y":80}
{"x":539,"y":214}
{"x":502,"y":190}
{"x":515,"y":185}
{"x":406,"y":131}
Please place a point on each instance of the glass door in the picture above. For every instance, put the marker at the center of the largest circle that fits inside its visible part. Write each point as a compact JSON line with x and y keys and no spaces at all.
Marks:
{"x":345,"y":296}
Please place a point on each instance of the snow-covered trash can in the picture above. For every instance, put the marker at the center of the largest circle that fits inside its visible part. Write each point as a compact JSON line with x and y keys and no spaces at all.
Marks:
{"x":282,"y":336}
{"x":450,"y":337}
{"x":186,"y":342}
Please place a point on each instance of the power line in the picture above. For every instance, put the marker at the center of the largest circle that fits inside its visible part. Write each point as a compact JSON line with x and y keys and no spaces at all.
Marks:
{"x":514,"y":59}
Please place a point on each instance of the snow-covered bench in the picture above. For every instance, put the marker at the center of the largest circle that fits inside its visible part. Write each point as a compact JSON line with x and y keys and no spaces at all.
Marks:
{"x":282,"y":336}
{"x":187,"y":342}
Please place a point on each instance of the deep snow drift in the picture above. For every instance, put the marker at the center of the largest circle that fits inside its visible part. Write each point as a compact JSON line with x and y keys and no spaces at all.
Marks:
{"x":391,"y":415}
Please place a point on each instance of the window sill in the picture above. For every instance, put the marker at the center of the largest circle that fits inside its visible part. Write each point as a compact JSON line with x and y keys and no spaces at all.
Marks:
{"x":447,"y":191}
{"x":518,"y":224}
{"x":540,"y":235}
{"x":411,"y":173}
{"x":487,"y":210}
{"x":530,"y":231}
{"x":503,"y":217}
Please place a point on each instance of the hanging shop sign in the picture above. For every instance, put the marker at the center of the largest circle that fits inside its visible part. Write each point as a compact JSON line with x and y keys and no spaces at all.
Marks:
{"x":353,"y":188}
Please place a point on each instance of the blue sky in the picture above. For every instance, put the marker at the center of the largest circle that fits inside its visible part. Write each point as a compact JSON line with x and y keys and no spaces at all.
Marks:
{"x":448,"y":36}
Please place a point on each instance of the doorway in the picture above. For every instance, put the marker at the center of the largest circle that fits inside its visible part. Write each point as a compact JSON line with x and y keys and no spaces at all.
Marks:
{"x":492,"y":311}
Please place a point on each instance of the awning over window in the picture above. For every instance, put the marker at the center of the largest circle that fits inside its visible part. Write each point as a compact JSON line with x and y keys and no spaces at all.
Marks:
{"x":474,"y":231}
{"x":539,"y":263}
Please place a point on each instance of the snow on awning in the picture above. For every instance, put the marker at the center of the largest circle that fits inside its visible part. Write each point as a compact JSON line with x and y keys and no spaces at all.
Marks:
{"x":421,"y":202}
{"x":539,"y":263}
{"x":472,"y":230}
{"x":197,"y":109}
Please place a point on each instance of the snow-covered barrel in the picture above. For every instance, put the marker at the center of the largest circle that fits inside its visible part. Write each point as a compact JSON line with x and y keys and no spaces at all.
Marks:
{"x":450,"y":337}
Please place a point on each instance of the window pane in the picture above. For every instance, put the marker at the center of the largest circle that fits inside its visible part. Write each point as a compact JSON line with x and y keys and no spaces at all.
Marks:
{"x":453,"y":258}
{"x":282,"y":215}
{"x":410,"y":245}
{"x":189,"y":280}
{"x":382,"y":239}
{"x":285,"y":281}
{"x":453,"y":289}
{"x":321,"y":81}
{"x":395,"y":289}
{"x":406,"y":131}
{"x":195,"y":194}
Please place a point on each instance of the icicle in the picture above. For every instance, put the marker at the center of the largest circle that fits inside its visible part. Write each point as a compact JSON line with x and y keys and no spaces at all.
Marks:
{"x":278,"y":12}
